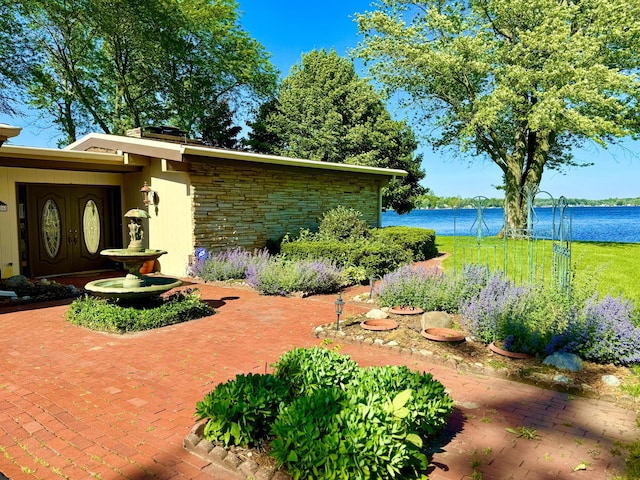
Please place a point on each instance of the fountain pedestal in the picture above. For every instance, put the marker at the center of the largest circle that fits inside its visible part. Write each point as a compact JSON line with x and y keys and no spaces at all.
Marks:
{"x":134,"y":285}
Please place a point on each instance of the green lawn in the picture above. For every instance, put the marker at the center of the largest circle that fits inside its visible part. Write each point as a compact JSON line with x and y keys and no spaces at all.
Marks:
{"x":615,"y":266}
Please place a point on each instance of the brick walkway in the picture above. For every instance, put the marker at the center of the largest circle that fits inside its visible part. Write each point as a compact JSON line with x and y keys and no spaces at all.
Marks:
{"x":78,"y":404}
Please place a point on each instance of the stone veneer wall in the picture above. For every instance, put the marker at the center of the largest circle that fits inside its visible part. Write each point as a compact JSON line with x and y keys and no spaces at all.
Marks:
{"x":235,"y":204}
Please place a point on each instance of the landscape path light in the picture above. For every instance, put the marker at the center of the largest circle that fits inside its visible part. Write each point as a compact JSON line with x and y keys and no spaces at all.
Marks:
{"x":339,"y":306}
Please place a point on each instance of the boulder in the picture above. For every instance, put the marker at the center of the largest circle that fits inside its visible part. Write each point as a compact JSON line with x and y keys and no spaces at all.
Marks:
{"x":18,"y":281}
{"x":435,"y":320}
{"x":611,"y":380}
{"x":376,"y":314}
{"x":564,"y":361}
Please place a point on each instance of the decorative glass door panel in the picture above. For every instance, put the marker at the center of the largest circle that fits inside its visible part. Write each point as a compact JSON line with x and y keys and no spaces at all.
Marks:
{"x":91,"y":226}
{"x":68,"y":226}
{"x":51,"y":228}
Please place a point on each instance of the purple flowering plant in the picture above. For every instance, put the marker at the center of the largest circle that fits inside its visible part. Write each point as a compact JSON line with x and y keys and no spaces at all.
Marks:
{"x":281,"y":277}
{"x":429,"y":289}
{"x":227,"y":265}
{"x":608,"y":333}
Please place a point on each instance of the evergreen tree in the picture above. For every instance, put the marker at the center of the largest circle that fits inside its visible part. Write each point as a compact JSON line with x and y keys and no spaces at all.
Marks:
{"x":324,"y":111}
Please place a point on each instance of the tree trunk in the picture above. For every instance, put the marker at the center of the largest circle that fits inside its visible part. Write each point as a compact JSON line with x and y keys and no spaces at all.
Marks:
{"x":522,"y":174}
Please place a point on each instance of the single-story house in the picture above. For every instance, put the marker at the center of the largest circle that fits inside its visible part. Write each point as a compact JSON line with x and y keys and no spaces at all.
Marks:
{"x":60,"y":208}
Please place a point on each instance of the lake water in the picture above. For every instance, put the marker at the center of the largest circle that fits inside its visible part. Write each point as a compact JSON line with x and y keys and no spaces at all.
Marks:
{"x":598,"y":224}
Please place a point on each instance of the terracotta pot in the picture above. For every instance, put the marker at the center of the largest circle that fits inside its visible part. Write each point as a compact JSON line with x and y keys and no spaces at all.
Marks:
{"x":406,"y":310}
{"x":148,"y":267}
{"x":443,"y":334}
{"x":379,"y":324}
{"x":496,"y":349}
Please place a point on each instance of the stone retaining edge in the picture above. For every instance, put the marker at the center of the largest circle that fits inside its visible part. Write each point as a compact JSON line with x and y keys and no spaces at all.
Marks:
{"x":196,"y":444}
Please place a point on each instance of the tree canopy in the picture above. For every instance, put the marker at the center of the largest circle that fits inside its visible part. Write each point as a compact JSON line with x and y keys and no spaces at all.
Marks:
{"x":518,"y":81}
{"x":120,"y":64}
{"x":324,"y":111}
{"x":10,"y":58}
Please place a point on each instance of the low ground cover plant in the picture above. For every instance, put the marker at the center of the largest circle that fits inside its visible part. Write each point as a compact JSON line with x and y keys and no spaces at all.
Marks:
{"x":329,"y":418}
{"x":538,"y":319}
{"x":110,"y":316}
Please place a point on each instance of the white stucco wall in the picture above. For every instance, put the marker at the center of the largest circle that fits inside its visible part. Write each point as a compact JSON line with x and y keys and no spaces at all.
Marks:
{"x":170,"y":227}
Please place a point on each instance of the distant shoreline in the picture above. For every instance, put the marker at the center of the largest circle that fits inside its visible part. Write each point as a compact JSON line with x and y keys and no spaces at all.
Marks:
{"x":601,"y":223}
{"x":439,"y":203}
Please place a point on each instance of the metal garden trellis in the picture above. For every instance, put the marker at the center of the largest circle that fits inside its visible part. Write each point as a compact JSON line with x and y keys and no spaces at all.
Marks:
{"x":524,"y":251}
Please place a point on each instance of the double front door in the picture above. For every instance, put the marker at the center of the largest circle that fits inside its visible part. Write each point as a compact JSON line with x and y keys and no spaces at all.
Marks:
{"x":69,"y":225}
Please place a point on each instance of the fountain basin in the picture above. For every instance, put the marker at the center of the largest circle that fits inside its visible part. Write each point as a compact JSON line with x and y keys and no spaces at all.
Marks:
{"x":124,"y":255}
{"x":115,"y":287}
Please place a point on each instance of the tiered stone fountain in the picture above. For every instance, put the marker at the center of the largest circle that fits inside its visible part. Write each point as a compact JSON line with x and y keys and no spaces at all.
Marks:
{"x":135,"y":285}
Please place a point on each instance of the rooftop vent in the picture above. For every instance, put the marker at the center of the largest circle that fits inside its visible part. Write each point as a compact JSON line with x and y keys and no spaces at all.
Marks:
{"x":165,"y":133}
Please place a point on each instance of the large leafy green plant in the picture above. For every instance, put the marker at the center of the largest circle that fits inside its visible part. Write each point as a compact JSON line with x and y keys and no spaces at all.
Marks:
{"x":309,"y":369}
{"x":241,"y":411}
{"x":337,"y":435}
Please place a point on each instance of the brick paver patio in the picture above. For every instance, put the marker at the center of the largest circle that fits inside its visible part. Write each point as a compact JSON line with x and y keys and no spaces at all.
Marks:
{"x":76,"y":404}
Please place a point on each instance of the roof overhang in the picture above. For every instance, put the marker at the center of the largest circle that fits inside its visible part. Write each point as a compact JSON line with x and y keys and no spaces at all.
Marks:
{"x":7,"y":132}
{"x":51,"y":158}
{"x":205,"y":152}
{"x":184,"y":153}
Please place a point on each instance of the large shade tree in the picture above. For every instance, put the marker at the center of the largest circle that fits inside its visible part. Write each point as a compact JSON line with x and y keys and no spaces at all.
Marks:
{"x":324,"y":111}
{"x":518,"y":81}
{"x":119,"y":64}
{"x":11,"y":58}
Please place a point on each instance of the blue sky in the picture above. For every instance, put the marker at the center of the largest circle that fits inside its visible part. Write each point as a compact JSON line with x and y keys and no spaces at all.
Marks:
{"x":287,"y":29}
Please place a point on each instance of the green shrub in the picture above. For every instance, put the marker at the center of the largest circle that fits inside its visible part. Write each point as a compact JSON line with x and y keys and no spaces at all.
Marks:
{"x":431,"y":406}
{"x":421,"y":242}
{"x":377,"y":258}
{"x":342,"y":223}
{"x":362,"y":259}
{"x":334,"y":250}
{"x":108,"y":316}
{"x":311,"y":369}
{"x":305,"y":437}
{"x":241,"y":411}
{"x":329,"y":419}
{"x":332,"y":436}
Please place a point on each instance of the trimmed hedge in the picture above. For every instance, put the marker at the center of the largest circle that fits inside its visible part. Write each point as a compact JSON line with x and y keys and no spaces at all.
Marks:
{"x":375,"y":258}
{"x":388,"y":249}
{"x":421,"y":242}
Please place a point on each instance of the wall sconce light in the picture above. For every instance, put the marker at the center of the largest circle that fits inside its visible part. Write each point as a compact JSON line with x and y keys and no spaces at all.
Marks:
{"x":149,"y":197}
{"x":339,"y":306}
